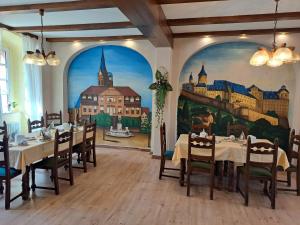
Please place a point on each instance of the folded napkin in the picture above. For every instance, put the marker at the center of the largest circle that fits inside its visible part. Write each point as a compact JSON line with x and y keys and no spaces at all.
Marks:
{"x":203,"y":134}
{"x":252,"y":138}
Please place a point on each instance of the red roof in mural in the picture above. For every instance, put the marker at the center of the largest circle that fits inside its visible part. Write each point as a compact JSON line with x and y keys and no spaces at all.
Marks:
{"x":127,"y":91}
{"x":96,"y":90}
{"x":145,"y":110}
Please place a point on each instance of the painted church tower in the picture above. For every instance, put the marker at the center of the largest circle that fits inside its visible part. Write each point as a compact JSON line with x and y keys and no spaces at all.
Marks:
{"x":105,"y":79}
{"x":201,"y":87}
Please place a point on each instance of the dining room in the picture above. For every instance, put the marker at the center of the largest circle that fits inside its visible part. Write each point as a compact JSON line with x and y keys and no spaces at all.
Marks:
{"x":149,"y":112}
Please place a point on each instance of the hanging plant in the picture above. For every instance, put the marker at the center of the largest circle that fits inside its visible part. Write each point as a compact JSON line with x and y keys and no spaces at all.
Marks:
{"x":161,"y":88}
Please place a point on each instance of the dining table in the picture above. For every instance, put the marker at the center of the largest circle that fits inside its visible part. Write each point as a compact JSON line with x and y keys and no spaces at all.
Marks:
{"x":226,"y":149}
{"x":35,"y":149}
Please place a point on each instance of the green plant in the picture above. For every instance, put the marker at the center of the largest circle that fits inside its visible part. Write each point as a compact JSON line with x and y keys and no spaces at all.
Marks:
{"x":161,"y":88}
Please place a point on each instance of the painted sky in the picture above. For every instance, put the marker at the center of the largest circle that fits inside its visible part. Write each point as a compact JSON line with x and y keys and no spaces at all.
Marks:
{"x":128,"y":67}
{"x":230,"y":61}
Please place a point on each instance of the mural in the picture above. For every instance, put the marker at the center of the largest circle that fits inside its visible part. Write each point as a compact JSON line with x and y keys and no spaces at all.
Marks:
{"x":235,"y":93}
{"x":109,"y":84}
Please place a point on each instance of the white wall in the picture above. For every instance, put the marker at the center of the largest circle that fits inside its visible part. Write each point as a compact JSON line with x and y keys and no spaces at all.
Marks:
{"x":55,"y":82}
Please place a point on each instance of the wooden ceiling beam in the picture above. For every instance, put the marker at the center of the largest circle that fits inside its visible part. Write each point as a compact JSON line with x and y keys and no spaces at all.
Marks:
{"x":24,"y":33}
{"x":95,"y":39}
{"x":57,"y":6}
{"x":149,"y":18}
{"x":235,"y":32}
{"x":185,"y":1}
{"x":75,"y":27}
{"x":234,"y":19}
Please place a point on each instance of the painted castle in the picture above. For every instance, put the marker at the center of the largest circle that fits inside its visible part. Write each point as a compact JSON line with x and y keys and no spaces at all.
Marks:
{"x":110,"y":99}
{"x":252,"y":103}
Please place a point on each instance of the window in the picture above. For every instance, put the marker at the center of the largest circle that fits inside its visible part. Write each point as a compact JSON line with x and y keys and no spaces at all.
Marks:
{"x":132,"y":99}
{"x":4,"y":80}
{"x":84,"y":109}
{"x":95,"y":98}
{"x":83,"y":97}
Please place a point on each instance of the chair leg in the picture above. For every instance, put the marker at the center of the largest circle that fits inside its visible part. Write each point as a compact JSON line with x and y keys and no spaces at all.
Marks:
{"x":212,"y":182}
{"x":289,"y":178}
{"x":265,"y":187}
{"x":246,"y":191}
{"x":94,"y":157}
{"x":83,"y":157}
{"x":162,"y":166}
{"x":1,"y":187}
{"x":71,"y":177}
{"x":273,"y":194}
{"x":188,"y":181}
{"x":237,"y":186}
{"x":298,"y":179}
{"x":7,"y":194}
{"x":33,"y":185}
{"x":55,"y":178}
{"x":78,"y":158}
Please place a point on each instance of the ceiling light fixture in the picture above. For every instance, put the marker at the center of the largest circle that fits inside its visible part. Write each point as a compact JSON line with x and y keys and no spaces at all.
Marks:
{"x":39,"y":57}
{"x":278,"y":55}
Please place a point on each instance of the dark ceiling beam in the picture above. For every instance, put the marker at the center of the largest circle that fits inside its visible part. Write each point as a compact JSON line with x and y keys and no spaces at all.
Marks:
{"x":57,"y":6}
{"x":234,"y":19}
{"x":185,"y":1}
{"x":235,"y":32}
{"x":148,"y":17}
{"x":95,"y":39}
{"x":75,"y":27}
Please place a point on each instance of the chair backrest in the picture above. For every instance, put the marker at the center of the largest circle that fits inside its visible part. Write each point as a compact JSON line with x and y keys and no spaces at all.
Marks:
{"x":3,"y":129}
{"x":56,"y":117}
{"x":262,"y":149}
{"x":294,"y":143}
{"x":197,"y":128}
{"x":163,"y":141}
{"x":35,"y":124}
{"x":201,"y":146}
{"x":237,"y":129}
{"x":89,"y":134}
{"x":5,"y":159}
{"x":63,"y":144}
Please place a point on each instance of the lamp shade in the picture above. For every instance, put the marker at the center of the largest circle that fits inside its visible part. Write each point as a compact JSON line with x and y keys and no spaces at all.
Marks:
{"x":260,"y":57}
{"x":283,"y":54}
{"x":273,"y":62}
{"x":40,"y":59}
{"x":52,"y":59}
{"x":29,"y":58}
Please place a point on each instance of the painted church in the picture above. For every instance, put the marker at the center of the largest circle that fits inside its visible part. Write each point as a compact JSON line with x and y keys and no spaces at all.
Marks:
{"x":110,"y":99}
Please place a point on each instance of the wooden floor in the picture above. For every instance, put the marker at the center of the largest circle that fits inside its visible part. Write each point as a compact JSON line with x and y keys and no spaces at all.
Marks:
{"x":124,"y":190}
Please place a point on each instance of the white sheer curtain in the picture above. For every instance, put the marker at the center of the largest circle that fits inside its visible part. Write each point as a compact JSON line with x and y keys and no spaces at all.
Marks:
{"x":32,"y":83}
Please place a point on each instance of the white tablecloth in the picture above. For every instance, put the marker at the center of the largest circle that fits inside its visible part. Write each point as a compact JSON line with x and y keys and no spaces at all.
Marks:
{"x":226,"y":150}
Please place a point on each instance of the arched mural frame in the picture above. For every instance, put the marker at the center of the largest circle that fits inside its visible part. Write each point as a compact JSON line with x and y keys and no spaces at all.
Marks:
{"x":86,"y":48}
{"x":188,"y":58}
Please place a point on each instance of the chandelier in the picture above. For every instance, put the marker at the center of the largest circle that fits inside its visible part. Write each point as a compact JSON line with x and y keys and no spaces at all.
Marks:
{"x":39,"y":57}
{"x":278,"y":55}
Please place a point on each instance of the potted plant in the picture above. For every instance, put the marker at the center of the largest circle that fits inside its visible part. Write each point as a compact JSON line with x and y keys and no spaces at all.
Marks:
{"x":161,"y":88}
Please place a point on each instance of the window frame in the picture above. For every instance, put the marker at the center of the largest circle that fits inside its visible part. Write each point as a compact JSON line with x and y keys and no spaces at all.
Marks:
{"x":8,"y":82}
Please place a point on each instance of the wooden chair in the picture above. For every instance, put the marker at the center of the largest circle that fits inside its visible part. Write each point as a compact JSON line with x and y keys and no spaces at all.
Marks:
{"x":53,"y":117}
{"x":35,"y":124}
{"x":293,"y":155}
{"x":201,"y":162}
{"x":3,"y":129}
{"x":87,"y":147}
{"x":165,"y":154}
{"x":197,"y":128}
{"x":62,"y":158}
{"x":6,"y":172}
{"x":237,"y":129}
{"x":261,"y":171}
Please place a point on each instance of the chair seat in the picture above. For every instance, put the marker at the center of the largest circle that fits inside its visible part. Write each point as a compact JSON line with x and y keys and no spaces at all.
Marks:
{"x":50,"y":163}
{"x":201,"y":165}
{"x":257,"y":171}
{"x":13,"y":172}
{"x":169,"y":154}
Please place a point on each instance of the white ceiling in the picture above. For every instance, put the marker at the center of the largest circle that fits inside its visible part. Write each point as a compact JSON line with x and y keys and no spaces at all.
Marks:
{"x":236,"y":26}
{"x":227,"y":8}
{"x":91,"y":33}
{"x":22,"y":2}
